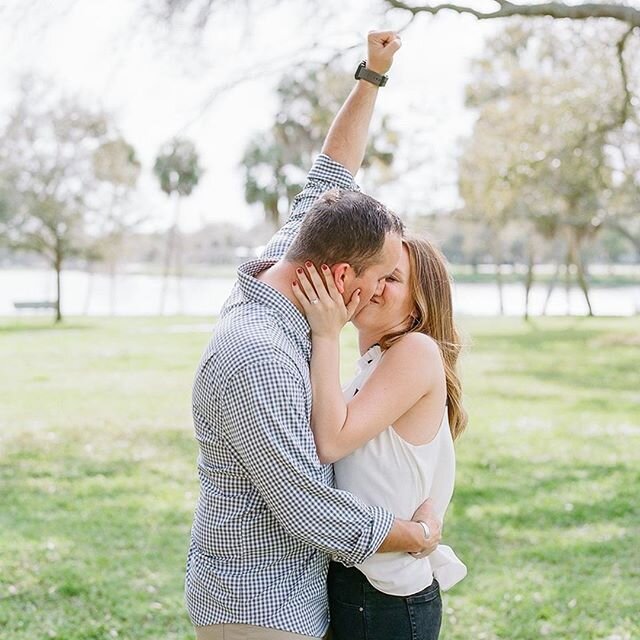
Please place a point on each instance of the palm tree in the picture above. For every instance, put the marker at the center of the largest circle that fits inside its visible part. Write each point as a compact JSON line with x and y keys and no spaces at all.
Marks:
{"x":178,"y":171}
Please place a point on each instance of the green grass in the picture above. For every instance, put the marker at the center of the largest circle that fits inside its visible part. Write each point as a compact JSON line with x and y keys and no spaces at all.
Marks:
{"x":97,"y":478}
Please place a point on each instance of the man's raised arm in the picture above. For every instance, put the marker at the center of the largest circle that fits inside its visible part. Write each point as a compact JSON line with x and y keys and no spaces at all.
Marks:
{"x":347,"y":138}
{"x":345,"y":143}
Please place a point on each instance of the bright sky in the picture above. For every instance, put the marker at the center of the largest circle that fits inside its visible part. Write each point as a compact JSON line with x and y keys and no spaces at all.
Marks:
{"x":108,"y":55}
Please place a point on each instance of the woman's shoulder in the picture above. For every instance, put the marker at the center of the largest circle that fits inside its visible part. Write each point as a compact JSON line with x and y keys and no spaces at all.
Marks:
{"x":418,"y":346}
{"x":415,"y":354}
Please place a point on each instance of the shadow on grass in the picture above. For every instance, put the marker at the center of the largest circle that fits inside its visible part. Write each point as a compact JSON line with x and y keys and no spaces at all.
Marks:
{"x":514,"y":497}
{"x":536,"y":341}
{"x":578,"y":374}
{"x":580,"y":356}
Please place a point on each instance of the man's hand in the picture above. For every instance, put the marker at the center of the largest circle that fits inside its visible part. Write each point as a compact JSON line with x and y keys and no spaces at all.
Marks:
{"x":408,"y":535}
{"x":381,"y":47}
{"x":425,"y":514}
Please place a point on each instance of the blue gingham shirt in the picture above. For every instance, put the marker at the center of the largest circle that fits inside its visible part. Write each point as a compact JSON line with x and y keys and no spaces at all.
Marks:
{"x":268,"y":516}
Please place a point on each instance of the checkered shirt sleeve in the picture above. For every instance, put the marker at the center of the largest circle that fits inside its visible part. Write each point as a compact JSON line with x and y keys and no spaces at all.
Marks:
{"x":325,"y":174}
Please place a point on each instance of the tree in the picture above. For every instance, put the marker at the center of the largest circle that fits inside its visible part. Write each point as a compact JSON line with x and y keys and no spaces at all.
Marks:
{"x":276,"y":161}
{"x":117,"y":169}
{"x":178,"y":170}
{"x":541,"y":152}
{"x":46,"y":164}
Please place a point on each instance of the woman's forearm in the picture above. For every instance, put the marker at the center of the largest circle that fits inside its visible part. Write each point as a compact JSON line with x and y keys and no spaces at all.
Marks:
{"x":329,"y":410}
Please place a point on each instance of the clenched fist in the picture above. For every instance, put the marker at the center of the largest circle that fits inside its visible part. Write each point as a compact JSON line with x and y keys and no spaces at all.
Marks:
{"x":381,"y":47}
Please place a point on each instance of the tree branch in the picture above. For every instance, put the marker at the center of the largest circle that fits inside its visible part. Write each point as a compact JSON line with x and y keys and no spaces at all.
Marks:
{"x":31,"y":242}
{"x":627,"y":101}
{"x":623,"y":12}
{"x":615,"y":225}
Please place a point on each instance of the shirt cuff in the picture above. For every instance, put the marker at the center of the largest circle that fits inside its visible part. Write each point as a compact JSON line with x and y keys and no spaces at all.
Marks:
{"x":325,"y":169}
{"x":382,"y":521}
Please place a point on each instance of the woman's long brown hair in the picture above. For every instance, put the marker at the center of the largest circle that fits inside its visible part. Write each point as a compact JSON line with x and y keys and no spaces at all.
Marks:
{"x":430,"y":285}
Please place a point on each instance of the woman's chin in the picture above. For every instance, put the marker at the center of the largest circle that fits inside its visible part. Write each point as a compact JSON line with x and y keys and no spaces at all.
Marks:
{"x":360,"y":318}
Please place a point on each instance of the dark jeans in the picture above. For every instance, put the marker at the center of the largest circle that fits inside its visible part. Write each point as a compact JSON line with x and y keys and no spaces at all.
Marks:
{"x":361,"y":612}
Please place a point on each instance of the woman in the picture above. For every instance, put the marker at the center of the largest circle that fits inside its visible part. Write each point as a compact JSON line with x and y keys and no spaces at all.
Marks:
{"x":390,"y":436}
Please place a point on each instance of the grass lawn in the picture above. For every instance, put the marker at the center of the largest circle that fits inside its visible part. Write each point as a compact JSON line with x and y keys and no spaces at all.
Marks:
{"x":97,"y":478}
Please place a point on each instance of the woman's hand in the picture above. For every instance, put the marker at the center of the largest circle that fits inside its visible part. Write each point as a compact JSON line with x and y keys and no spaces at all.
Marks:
{"x":322,"y":302}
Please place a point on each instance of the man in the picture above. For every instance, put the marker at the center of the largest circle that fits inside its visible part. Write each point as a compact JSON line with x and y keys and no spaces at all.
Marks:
{"x":268,"y":517}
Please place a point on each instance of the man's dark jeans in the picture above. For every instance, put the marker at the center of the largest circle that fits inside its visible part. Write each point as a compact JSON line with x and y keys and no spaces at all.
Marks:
{"x":361,"y":612}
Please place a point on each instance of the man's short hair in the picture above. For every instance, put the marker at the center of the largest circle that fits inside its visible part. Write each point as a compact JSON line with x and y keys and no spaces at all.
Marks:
{"x":344,"y":226}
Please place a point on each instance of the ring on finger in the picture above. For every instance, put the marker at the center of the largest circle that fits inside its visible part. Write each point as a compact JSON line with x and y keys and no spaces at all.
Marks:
{"x":314,"y":301}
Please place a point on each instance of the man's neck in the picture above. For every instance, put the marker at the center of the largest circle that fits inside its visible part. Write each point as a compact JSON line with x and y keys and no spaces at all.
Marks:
{"x":280,"y":277}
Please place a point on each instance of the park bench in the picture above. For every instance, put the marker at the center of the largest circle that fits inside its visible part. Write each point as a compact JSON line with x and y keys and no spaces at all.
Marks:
{"x":38,"y":304}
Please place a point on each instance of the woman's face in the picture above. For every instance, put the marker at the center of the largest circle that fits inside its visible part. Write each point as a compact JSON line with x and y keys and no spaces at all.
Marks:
{"x":391,"y":310}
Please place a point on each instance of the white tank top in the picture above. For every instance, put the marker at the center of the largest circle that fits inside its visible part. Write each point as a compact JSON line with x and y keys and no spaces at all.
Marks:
{"x":390,"y":472}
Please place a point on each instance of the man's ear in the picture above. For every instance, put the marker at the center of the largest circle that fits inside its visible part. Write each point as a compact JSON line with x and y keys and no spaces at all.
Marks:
{"x":339,"y":272}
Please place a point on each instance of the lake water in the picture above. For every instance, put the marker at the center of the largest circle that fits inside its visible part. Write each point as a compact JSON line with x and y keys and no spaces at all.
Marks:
{"x":139,"y":295}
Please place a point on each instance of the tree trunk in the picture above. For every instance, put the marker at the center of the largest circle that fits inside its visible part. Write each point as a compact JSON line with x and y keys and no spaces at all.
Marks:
{"x":166,"y":269}
{"x":581,"y":273}
{"x":58,"y":268}
{"x":582,"y":280}
{"x":567,"y":280}
{"x":168,"y":256}
{"x":528,"y":281}
{"x":112,"y":287}
{"x":500,"y":283}
{"x":171,"y":255}
{"x":87,"y":297}
{"x":497,"y":258}
{"x":551,"y":287}
{"x":178,"y":253}
{"x":179,"y":272}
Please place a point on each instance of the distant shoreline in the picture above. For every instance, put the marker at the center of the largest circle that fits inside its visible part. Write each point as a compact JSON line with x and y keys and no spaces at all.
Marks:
{"x":619,"y":275}
{"x":203,"y":291}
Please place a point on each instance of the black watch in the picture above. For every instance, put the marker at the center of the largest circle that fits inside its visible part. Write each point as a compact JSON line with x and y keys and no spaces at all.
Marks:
{"x":362,"y":73}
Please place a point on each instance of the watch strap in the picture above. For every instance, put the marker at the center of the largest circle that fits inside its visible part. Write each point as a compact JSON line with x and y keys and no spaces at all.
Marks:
{"x":362,"y":73}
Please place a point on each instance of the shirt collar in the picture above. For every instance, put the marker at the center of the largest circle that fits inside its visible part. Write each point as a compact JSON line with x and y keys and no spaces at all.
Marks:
{"x":293,"y":322}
